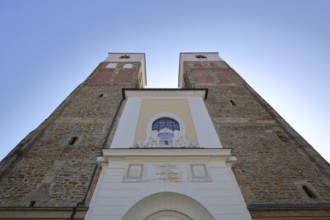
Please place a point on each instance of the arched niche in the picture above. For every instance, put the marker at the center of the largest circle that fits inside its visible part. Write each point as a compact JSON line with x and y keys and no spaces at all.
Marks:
{"x":174,"y":138}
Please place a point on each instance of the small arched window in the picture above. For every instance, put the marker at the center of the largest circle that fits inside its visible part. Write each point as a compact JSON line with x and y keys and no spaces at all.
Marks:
{"x":200,"y":56}
{"x":124,"y":57}
{"x":162,"y":123}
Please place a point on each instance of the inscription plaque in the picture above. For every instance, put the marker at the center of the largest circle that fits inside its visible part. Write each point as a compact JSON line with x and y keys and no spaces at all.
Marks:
{"x":166,"y":172}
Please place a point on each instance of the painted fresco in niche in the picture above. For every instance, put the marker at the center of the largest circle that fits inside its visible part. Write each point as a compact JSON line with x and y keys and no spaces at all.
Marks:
{"x":166,"y":130}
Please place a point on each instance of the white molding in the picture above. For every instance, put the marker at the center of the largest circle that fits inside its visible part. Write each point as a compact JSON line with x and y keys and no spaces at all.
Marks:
{"x":160,"y":152}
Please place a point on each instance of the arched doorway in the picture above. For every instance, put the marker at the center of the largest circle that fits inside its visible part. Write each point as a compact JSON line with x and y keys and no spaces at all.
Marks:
{"x":168,"y":215}
{"x":167,"y":206}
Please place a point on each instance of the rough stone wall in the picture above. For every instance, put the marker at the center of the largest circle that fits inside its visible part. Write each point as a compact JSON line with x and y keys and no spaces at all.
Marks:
{"x":274,"y":162}
{"x":54,"y":165}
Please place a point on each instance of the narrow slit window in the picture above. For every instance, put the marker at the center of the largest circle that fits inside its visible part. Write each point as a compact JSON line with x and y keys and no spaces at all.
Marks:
{"x":232,"y":102}
{"x":308,"y":191}
{"x":32,"y":203}
{"x":73,"y":140}
{"x":101,"y":95}
{"x":282,"y":136}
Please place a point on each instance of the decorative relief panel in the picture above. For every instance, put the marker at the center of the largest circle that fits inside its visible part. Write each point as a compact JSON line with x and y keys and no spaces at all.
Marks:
{"x":167,"y":172}
{"x":134,"y":173}
{"x":199,"y":172}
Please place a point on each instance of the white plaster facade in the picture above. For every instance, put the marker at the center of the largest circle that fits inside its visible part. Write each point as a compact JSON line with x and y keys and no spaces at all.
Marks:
{"x":198,"y":184}
{"x":203,"y":126}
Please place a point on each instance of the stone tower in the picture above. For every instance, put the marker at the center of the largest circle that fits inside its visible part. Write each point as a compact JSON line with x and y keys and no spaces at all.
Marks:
{"x":212,"y":149}
{"x":54,"y":166}
{"x":280,"y":175}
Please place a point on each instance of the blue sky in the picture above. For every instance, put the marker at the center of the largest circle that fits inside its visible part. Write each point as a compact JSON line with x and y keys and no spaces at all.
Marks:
{"x":281,"y":48}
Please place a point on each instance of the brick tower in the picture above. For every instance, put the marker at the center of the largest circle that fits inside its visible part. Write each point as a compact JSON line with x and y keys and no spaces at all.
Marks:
{"x":212,"y":149}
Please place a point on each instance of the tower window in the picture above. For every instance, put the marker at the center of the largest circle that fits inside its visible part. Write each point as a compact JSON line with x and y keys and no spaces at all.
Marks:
{"x":101,"y":95}
{"x":32,"y":203}
{"x":73,"y":140}
{"x":200,"y":56}
{"x":162,"y":123}
{"x":282,"y":136}
{"x":111,"y":66}
{"x":232,"y":102}
{"x":308,"y":191}
{"x":128,"y":65}
{"x":124,"y":57}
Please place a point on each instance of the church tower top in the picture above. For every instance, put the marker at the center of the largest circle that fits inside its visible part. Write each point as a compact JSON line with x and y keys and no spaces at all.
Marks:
{"x":127,"y":58}
{"x":195,"y":56}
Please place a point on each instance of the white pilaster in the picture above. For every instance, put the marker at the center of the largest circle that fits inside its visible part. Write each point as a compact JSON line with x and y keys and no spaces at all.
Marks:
{"x":205,"y":131}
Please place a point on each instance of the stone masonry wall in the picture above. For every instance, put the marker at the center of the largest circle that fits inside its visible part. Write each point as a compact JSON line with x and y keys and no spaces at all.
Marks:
{"x":54,"y":165}
{"x":273,"y":161}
